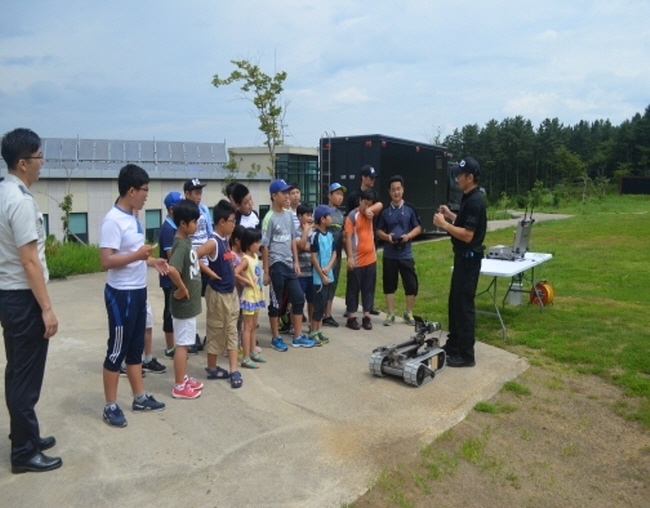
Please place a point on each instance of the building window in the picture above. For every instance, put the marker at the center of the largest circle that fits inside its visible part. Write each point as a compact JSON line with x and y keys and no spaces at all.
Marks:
{"x":78,"y":227}
{"x":302,"y":170}
{"x":264,"y":209}
{"x":152,"y":225}
{"x":46,"y":223}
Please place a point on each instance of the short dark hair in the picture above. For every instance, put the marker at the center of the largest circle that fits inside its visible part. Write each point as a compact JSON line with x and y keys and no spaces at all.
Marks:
{"x":396,"y":178}
{"x":303,"y":209}
{"x":131,"y":176}
{"x":230,"y":187}
{"x":237,"y":234}
{"x":19,"y":144}
{"x":186,"y":211}
{"x":251,"y":236}
{"x":222,"y":211}
{"x":238,"y":192}
{"x":367,"y":195}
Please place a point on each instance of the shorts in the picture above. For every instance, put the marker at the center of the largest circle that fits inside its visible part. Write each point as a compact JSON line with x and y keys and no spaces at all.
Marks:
{"x":406,"y":269}
{"x":322,"y":295}
{"x":127,"y":316}
{"x":221,"y":321}
{"x":307,"y":285}
{"x":184,"y":331}
{"x":284,"y":278}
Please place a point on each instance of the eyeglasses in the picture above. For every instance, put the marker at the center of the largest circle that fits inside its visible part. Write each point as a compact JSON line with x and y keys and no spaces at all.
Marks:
{"x":231,"y":220}
{"x":146,"y":189}
{"x":34,"y":157}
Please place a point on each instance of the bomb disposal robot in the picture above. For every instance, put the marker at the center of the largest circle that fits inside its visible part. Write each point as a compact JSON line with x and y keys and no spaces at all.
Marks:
{"x":416,"y":361}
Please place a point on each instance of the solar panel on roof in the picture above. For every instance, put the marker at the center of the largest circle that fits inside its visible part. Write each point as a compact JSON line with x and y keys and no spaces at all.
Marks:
{"x":205,"y":152}
{"x":101,"y":149}
{"x":132,"y":151}
{"x":219,"y":151}
{"x":146,"y":151}
{"x":52,"y":148}
{"x":177,"y":151}
{"x":162,"y":151}
{"x":86,"y":149}
{"x":191,"y":153}
{"x":116,"y":151}
{"x":90,"y":158}
{"x":69,"y":149}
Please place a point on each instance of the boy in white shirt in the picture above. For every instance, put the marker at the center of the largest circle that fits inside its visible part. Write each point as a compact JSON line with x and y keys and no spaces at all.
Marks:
{"x":124,"y":254}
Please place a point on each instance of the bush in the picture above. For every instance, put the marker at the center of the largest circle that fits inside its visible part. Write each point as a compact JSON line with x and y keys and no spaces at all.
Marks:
{"x":65,"y":259}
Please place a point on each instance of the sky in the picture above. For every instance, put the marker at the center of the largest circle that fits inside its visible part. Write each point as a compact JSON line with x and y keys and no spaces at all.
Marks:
{"x":140,"y":70}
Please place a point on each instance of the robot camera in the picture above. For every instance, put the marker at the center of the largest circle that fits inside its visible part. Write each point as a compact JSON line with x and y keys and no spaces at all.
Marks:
{"x":424,"y":327}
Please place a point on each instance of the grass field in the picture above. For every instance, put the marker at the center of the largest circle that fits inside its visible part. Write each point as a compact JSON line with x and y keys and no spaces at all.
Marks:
{"x":599,"y":322}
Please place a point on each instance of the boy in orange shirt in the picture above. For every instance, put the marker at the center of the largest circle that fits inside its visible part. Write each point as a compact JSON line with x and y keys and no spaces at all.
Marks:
{"x":362,"y":261}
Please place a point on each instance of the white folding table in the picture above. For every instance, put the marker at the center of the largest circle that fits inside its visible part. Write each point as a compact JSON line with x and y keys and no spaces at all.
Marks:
{"x":515,"y":270}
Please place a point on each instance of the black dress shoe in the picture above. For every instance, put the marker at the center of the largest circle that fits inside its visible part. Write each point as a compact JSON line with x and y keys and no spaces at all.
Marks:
{"x":374,"y":312}
{"x":457,"y":361}
{"x":45,"y":443}
{"x":37,"y":464}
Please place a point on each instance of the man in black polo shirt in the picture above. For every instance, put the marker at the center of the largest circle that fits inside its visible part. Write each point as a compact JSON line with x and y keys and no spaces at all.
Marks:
{"x":467,"y":230}
{"x":398,"y":225}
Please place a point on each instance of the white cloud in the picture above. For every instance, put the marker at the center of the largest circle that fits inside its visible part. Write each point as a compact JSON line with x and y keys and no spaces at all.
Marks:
{"x":143,"y":69}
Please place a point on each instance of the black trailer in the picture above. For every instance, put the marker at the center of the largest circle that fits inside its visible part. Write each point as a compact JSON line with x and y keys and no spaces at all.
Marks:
{"x":423,"y":167}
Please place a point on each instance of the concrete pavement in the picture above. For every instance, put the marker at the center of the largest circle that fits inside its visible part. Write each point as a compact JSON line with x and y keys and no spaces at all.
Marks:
{"x":309,"y":428}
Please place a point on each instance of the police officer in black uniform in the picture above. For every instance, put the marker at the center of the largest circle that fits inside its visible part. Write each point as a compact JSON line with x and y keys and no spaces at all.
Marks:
{"x":467,"y":230}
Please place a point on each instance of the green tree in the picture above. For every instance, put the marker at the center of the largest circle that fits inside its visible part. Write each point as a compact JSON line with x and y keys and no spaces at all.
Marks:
{"x":570,"y":164}
{"x":551,"y":135}
{"x":490,"y":157}
{"x":264,"y":92}
{"x":66,"y":208}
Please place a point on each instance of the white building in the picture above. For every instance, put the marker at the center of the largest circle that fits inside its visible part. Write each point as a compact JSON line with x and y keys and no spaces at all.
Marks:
{"x":88,"y":168}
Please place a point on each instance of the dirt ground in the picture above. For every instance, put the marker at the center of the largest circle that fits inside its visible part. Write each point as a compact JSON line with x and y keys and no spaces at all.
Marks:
{"x":553,"y":438}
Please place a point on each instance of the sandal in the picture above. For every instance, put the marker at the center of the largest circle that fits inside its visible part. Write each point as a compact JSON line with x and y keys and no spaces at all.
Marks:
{"x":217,"y":373}
{"x":258,"y":358}
{"x":249,"y":364}
{"x":235,"y":379}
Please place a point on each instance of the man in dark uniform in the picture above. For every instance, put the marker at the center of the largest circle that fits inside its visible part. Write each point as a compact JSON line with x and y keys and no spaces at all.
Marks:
{"x":367,"y":176}
{"x":467,"y":230}
{"x":26,"y":314}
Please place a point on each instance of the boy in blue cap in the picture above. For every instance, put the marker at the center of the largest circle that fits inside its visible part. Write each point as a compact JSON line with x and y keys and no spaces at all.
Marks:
{"x":281,"y":265}
{"x":323,"y":257}
{"x":335,"y":200}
